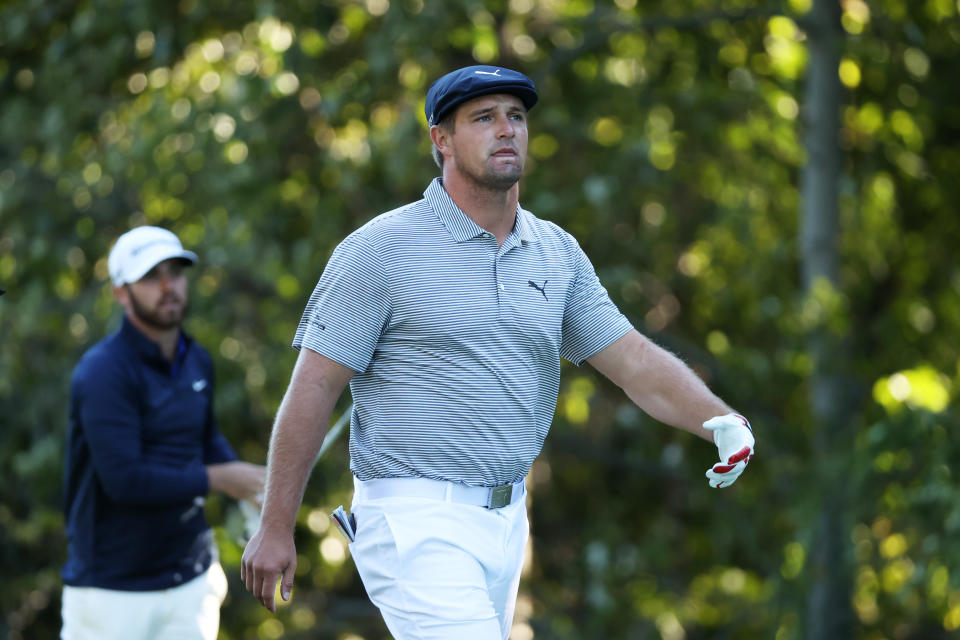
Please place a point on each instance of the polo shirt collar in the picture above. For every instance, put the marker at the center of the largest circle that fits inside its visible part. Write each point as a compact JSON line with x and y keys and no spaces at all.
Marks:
{"x":459,"y":224}
{"x":149,"y":351}
{"x":524,"y":226}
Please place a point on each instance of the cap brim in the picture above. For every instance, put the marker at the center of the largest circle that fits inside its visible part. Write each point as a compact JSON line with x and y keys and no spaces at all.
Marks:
{"x":527,"y":96}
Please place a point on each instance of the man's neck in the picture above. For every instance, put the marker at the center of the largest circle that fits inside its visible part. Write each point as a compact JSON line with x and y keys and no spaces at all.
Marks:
{"x":166,"y":339}
{"x":492,"y":210}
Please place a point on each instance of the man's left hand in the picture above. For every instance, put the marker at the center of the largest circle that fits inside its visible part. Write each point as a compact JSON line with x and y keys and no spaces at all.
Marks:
{"x":734,"y":440}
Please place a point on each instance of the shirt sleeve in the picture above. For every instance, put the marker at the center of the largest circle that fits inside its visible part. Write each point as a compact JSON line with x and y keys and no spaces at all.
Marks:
{"x":350,"y":306}
{"x":110,"y":418}
{"x":591,"y":321}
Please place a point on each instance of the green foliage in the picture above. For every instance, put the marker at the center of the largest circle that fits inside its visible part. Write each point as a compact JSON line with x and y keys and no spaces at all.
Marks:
{"x":668,"y":139}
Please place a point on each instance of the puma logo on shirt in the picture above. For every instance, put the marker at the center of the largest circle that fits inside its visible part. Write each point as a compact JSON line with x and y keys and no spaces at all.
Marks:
{"x":542,"y":289}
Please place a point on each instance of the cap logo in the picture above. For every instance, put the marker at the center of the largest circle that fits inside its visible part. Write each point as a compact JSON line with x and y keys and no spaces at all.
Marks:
{"x":488,"y":73}
{"x":152,"y":243}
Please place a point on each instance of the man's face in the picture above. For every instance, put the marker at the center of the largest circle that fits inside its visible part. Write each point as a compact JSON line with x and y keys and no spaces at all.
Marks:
{"x":489,"y":140}
{"x":159,"y":298}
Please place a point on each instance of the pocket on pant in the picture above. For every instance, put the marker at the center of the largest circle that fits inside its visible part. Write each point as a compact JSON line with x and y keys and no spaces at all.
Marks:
{"x":390,"y":530}
{"x":411,"y":524}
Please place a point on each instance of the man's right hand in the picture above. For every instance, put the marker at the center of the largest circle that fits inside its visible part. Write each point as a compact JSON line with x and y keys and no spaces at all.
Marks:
{"x":270,"y":555}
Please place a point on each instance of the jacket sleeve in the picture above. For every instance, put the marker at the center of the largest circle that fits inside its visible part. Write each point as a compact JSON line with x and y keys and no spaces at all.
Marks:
{"x":108,"y":409}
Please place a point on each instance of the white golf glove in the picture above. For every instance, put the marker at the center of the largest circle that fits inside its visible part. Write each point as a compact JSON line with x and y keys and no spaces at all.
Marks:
{"x":734,"y":440}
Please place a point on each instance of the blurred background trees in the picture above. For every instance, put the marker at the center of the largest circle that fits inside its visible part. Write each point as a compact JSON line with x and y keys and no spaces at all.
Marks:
{"x":672,"y":139}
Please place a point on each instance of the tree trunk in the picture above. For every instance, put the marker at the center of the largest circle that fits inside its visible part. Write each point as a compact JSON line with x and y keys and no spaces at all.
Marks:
{"x":828,"y":608}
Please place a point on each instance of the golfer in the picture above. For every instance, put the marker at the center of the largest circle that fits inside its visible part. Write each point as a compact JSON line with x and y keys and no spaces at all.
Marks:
{"x":448,"y":318}
{"x":143,"y":451}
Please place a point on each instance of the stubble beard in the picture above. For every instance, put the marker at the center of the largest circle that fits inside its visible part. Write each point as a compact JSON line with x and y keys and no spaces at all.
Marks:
{"x":157,"y":319}
{"x":489,"y":180}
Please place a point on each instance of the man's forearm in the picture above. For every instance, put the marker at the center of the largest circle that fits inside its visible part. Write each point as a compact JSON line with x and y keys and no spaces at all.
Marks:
{"x":660,"y":383}
{"x":294,"y":444}
{"x":297,"y":434}
{"x":671,"y":392}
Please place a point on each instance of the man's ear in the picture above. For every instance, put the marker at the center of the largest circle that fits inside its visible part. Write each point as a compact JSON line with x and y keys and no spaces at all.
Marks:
{"x":121,"y":295}
{"x":440,"y":138}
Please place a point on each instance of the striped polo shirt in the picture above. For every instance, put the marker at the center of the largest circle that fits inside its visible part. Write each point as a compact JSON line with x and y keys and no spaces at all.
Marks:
{"x":456,"y":342}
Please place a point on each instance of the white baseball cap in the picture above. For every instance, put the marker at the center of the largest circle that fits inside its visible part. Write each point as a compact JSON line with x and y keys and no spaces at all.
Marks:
{"x":141,"y":249}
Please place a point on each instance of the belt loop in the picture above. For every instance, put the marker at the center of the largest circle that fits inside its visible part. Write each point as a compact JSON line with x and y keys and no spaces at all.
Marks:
{"x":448,"y":492}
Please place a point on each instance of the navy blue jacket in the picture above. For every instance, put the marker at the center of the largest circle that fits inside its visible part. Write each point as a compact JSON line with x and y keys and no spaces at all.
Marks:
{"x":141,"y":432}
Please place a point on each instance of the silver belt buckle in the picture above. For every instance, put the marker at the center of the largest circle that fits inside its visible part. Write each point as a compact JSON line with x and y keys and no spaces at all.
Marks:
{"x":499,"y":496}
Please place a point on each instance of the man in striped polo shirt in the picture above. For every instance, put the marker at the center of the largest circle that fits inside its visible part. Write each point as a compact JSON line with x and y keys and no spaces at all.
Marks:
{"x":448,"y":318}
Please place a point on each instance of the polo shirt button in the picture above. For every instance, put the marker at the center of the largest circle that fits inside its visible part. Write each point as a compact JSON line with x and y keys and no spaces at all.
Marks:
{"x":501,"y":287}
{"x":177,"y":577}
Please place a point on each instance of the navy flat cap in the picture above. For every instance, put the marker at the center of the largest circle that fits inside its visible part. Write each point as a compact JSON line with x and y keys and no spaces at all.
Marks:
{"x":455,"y":88}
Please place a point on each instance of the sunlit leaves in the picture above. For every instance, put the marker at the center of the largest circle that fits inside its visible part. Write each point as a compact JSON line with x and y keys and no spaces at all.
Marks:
{"x":606,"y":131}
{"x":586,"y":68}
{"x":733,"y":52}
{"x":903,"y":124}
{"x":825,"y":306}
{"x":412,"y":75}
{"x":788,"y":56}
{"x":916,"y":62}
{"x":659,"y":132}
{"x":624,"y":71}
{"x":574,"y":402}
{"x":922,"y":387}
{"x":377,"y":7}
{"x":236,"y":152}
{"x":276,"y":35}
{"x":350,"y":142}
{"x":849,"y":73}
{"x":485,"y":45}
{"x":855,"y":16}
{"x":718,"y":343}
{"x":543,"y":146}
{"x":794,"y":556}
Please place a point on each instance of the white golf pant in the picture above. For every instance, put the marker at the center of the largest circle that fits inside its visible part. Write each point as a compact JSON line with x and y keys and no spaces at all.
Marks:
{"x":438,"y":569}
{"x":190,"y":611}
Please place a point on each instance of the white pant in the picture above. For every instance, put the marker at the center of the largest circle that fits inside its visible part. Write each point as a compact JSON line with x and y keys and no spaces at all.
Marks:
{"x":190,"y":611}
{"x":438,"y":569}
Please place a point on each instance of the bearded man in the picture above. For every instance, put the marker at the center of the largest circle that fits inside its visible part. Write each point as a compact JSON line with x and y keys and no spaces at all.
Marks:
{"x":143,"y":451}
